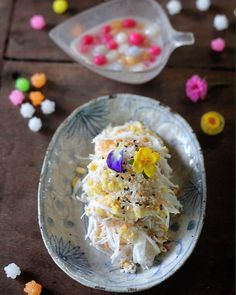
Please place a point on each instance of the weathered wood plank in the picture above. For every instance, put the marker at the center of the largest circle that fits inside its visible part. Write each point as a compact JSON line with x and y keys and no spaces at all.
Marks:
{"x":25,"y":43}
{"x":209,"y":270}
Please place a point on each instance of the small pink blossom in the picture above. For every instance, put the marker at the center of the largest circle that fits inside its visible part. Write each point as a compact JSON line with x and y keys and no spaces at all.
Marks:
{"x":196,"y":88}
{"x":218,"y":44}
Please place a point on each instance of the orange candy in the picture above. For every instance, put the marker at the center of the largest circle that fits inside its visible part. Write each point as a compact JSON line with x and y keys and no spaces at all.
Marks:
{"x":33,"y":288}
{"x":38,"y":80}
{"x":36,"y":97}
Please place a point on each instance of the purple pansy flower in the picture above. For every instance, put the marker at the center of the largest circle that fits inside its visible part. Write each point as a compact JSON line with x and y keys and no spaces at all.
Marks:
{"x":115,"y":159}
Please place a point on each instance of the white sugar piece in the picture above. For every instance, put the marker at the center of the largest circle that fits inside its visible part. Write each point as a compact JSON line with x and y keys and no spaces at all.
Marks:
{"x":12,"y":270}
{"x":100,"y":49}
{"x":152,"y":30}
{"x":48,"y":106}
{"x":121,"y":38}
{"x":112,"y":55}
{"x":221,"y":22}
{"x":123,"y":48}
{"x":133,"y":51}
{"x":27,"y":110}
{"x":203,"y":5}
{"x":35,"y":124}
{"x":174,"y":7}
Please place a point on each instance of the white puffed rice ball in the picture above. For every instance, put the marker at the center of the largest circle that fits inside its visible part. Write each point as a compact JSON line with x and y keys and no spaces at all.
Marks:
{"x":221,"y":22}
{"x":123,"y":48}
{"x":112,"y":55}
{"x":133,"y":51}
{"x":35,"y":124}
{"x":12,"y":270}
{"x":27,"y":110}
{"x":203,"y":5}
{"x":48,"y":106}
{"x":121,"y":38}
{"x":174,"y":7}
{"x":152,"y":30}
{"x":100,"y":49}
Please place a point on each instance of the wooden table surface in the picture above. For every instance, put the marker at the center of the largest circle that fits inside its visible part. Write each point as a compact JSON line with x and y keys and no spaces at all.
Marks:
{"x":23,"y":51}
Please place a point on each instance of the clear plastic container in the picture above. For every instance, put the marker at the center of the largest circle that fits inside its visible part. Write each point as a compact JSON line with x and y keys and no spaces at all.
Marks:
{"x":65,"y":33}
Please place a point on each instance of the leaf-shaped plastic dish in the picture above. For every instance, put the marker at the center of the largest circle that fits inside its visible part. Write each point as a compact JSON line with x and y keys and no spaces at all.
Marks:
{"x":62,"y":229}
{"x":65,"y":33}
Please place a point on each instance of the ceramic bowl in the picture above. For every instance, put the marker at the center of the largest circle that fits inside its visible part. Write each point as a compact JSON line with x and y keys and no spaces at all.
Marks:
{"x":69,"y":31}
{"x":59,"y":214}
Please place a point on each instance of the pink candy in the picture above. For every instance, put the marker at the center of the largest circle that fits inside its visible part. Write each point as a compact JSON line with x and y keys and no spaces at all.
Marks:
{"x":100,"y":60}
{"x":218,"y":44}
{"x":87,"y":39}
{"x":16,"y":97}
{"x":106,"y":38}
{"x":136,"y":38}
{"x":37,"y":22}
{"x":155,"y":50}
{"x":111,"y":44}
{"x":129,"y":23}
{"x":106,"y":29}
{"x":84,"y":49}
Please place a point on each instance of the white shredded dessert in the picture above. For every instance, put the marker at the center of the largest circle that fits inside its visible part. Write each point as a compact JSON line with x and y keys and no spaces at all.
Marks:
{"x":129,"y":211}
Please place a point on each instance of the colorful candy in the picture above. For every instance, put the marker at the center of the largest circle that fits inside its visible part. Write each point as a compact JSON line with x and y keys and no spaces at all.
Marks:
{"x":100,"y":60}
{"x":218,"y":44}
{"x":212,"y":123}
{"x":221,"y":22}
{"x":38,"y":80}
{"x":121,"y":44}
{"x":35,"y":124}
{"x":60,"y":6}
{"x":16,"y":97}
{"x":33,"y":288}
{"x":129,"y":23}
{"x":48,"y":106}
{"x":136,"y":38}
{"x":22,"y":84}
{"x":203,"y":5}
{"x":37,"y":22}
{"x":174,"y":7}
{"x":27,"y":110}
{"x":12,"y":270}
{"x":36,"y":97}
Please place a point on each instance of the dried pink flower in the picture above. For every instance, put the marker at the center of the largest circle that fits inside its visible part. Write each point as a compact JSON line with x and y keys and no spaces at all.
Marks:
{"x":196,"y":88}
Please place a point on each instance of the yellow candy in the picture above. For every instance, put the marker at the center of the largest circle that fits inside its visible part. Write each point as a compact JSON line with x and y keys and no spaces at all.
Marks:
{"x":116,"y":25}
{"x":130,"y":60}
{"x":60,"y":6}
{"x":212,"y":123}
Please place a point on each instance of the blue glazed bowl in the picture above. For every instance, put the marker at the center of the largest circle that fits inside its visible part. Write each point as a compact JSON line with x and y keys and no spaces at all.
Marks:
{"x":59,"y":214}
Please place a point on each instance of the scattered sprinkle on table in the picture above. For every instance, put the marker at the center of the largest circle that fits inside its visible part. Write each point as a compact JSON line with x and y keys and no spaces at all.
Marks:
{"x":218,"y":45}
{"x":22,"y":84}
{"x":12,"y":270}
{"x":203,"y":5}
{"x":60,"y":6}
{"x":221,"y":22}
{"x":174,"y":7}
{"x":27,"y":110}
{"x":48,"y":106}
{"x":33,"y":288}
{"x":38,"y":80}
{"x":36,"y":97}
{"x":16,"y":97}
{"x":35,"y":124}
{"x":37,"y":22}
{"x":196,"y":88}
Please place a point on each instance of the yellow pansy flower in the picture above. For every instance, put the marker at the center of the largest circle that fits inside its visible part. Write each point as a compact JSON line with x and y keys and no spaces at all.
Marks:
{"x":212,"y":123}
{"x":145,"y":160}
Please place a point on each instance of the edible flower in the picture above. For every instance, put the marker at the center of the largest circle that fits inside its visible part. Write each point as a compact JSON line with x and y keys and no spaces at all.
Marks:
{"x":145,"y":160}
{"x":115,"y":159}
{"x":196,"y":88}
{"x":212,"y":123}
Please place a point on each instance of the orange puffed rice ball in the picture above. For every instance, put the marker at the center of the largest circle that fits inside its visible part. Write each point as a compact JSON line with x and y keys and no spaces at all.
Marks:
{"x":36,"y":97}
{"x":38,"y":80}
{"x":33,"y":288}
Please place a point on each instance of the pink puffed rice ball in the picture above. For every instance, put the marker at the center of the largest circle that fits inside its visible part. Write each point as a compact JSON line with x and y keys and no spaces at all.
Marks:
{"x":37,"y":22}
{"x":218,"y":44}
{"x":16,"y":97}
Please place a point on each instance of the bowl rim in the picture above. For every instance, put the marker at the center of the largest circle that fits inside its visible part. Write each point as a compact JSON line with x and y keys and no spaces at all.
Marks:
{"x":49,"y":149}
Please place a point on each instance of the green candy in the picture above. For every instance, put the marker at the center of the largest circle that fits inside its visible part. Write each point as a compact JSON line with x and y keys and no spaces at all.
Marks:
{"x":22,"y":84}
